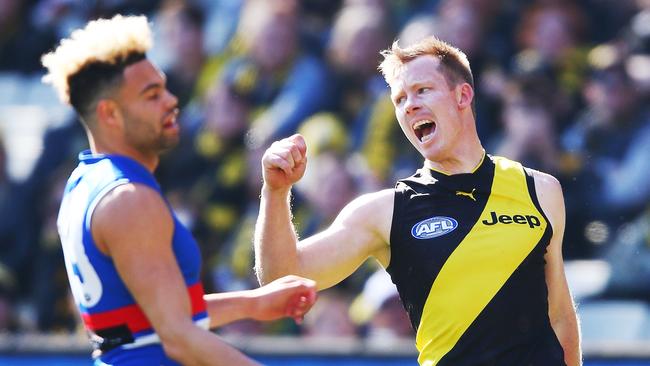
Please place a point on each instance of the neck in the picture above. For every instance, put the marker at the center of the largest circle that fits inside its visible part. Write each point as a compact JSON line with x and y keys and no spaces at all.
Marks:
{"x":98,"y":146}
{"x":466,"y":160}
{"x":464,"y":155}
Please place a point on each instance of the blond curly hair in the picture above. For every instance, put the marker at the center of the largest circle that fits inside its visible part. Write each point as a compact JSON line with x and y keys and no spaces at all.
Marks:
{"x":102,"y":41}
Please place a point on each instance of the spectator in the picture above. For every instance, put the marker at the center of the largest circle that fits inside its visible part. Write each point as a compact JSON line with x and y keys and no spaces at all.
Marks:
{"x":379,"y":311}
{"x":329,"y":317}
{"x":610,"y":145}
{"x":550,"y":38}
{"x":7,"y":245}
{"x":528,"y":126}
{"x":358,"y":33}
{"x":181,"y":27}
{"x":282,"y":81}
{"x":330,"y":184}
{"x":21,"y":43}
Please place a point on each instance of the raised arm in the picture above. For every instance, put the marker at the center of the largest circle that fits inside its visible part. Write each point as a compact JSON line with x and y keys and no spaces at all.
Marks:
{"x":361,"y":230}
{"x":133,"y":226}
{"x":562,"y":313}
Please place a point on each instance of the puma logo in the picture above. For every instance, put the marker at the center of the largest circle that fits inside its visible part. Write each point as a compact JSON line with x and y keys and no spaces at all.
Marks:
{"x":467,"y":194}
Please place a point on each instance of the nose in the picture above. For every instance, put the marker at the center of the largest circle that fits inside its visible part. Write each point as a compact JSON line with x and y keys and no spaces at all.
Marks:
{"x":412,"y":105}
{"x":171,"y":101}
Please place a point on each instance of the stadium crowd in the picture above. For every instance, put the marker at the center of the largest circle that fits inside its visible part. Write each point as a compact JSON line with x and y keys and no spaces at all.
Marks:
{"x":562,"y":85}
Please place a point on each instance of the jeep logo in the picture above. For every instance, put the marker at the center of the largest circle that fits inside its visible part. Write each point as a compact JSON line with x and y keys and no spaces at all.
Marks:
{"x":433,"y":227}
{"x":531,"y":220}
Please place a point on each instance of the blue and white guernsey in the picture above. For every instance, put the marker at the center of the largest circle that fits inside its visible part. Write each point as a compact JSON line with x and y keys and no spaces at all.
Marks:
{"x":119,"y":329}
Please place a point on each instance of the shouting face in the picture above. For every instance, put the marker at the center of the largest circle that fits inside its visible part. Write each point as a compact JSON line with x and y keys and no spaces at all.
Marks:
{"x":429,"y":108}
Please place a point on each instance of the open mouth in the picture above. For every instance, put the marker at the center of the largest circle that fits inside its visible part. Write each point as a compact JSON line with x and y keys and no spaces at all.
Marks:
{"x":170,"y":121}
{"x":424,"y":130}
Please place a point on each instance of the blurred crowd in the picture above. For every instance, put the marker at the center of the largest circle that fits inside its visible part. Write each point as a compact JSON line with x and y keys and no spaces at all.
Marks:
{"x":561,"y":85}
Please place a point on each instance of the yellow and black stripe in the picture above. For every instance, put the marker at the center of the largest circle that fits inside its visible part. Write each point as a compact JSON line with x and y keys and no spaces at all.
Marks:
{"x":467,"y":256}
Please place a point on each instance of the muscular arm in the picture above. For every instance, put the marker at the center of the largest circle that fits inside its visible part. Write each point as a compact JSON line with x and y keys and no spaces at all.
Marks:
{"x":562,"y":312}
{"x":133,"y":226}
{"x":361,"y":230}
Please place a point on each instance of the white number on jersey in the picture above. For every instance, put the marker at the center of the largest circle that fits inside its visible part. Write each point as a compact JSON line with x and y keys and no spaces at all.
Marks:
{"x":84,"y":281}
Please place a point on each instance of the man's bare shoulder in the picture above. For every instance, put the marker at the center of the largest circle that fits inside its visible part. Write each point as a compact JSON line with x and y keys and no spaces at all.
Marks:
{"x":376,"y":198}
{"x":550,"y":197}
{"x":371,"y":204}
{"x":130,"y":199}
{"x":129,"y":210}
{"x":546,"y":183}
{"x":372,"y":211}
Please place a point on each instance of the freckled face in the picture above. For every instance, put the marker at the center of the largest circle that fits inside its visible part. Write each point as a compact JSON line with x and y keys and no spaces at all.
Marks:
{"x":426,"y":107}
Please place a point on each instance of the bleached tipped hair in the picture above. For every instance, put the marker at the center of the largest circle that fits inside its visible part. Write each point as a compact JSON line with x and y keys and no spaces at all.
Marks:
{"x":102,"y":41}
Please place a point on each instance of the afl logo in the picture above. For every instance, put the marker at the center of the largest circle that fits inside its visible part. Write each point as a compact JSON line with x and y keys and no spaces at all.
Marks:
{"x":434,"y":227}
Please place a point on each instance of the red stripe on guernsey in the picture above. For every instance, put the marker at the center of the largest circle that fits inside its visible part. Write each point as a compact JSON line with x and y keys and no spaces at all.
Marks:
{"x":133,"y":316}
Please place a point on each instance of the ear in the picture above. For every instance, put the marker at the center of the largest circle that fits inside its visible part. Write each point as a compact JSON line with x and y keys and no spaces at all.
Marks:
{"x":108,"y":113}
{"x":464,"y":95}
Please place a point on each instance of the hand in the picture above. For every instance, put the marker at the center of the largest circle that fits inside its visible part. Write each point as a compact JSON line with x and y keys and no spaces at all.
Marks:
{"x":289,"y":296}
{"x":284,"y":162}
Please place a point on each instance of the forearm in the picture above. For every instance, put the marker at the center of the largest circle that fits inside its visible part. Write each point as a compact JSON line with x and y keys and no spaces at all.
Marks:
{"x":227,"y":307}
{"x":275,"y":238}
{"x":190,"y":345}
{"x":567,"y":332}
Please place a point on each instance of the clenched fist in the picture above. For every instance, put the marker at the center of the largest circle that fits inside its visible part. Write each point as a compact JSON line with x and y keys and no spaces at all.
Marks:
{"x":284,"y":163}
{"x":288,"y":296}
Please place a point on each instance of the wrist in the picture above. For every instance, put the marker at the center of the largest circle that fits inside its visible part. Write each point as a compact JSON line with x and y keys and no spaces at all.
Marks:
{"x":254,"y":303}
{"x":275,"y":191}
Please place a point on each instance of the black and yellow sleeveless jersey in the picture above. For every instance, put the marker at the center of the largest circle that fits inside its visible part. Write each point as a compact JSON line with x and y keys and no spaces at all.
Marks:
{"x":467,"y":256}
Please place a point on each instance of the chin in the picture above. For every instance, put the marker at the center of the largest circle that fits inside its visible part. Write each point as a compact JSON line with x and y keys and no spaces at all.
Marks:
{"x":429,"y":151}
{"x":432,"y":154}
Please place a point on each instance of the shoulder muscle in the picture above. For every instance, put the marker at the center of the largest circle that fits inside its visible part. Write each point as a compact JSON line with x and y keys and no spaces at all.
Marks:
{"x":550,"y":197}
{"x":130,"y":212}
{"x":375,"y":209}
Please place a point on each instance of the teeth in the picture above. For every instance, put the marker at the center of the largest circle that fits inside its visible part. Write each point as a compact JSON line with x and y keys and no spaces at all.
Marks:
{"x":419,"y":124}
{"x":427,"y":138}
{"x":172,"y":118}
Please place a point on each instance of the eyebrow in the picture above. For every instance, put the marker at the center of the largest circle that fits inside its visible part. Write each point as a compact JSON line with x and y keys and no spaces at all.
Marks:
{"x":150,"y":86}
{"x":395,"y":96}
{"x":154,"y":85}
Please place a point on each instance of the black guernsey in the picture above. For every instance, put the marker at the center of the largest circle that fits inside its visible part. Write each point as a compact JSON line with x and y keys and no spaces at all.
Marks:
{"x":467,"y":256}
